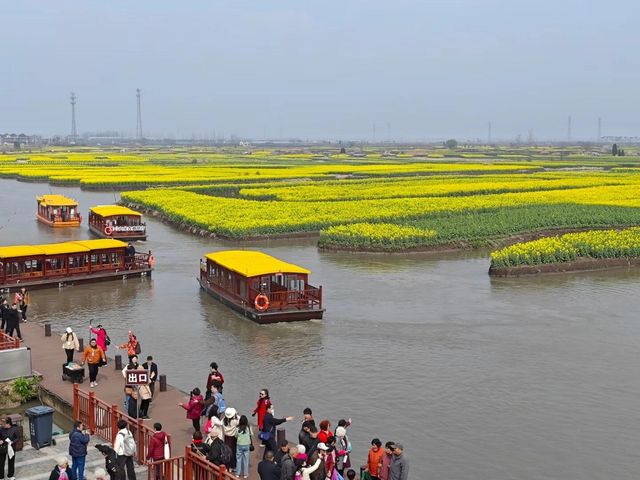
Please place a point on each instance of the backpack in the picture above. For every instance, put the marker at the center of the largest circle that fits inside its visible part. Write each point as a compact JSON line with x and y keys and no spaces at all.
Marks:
{"x":226,"y":455}
{"x":220,"y":403}
{"x":112,"y":467}
{"x":128,"y":444}
{"x":138,"y":349}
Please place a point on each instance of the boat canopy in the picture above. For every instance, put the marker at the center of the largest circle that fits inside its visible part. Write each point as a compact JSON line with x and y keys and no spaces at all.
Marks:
{"x":112,"y":210}
{"x":84,"y":246}
{"x":56,"y":201}
{"x":250,"y":263}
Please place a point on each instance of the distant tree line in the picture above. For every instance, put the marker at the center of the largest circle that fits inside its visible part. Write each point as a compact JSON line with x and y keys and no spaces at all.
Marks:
{"x":617,"y":152}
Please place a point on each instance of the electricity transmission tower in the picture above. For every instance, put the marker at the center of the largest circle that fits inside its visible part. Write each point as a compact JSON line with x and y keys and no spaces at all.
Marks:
{"x":139,"y":119}
{"x":74,"y":131}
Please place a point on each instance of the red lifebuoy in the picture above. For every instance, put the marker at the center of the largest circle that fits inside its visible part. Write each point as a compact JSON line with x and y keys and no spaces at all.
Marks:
{"x":108,"y":230}
{"x":261,"y":302}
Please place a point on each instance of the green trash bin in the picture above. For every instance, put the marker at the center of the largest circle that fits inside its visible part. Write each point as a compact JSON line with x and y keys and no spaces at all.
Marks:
{"x":40,"y":426}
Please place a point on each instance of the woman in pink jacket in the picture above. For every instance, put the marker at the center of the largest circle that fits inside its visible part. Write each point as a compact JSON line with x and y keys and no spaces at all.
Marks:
{"x":101,"y":336}
{"x":194,"y":408}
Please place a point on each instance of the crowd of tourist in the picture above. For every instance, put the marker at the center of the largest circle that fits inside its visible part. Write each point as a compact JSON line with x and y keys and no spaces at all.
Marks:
{"x":221,"y":434}
{"x":321,"y":453}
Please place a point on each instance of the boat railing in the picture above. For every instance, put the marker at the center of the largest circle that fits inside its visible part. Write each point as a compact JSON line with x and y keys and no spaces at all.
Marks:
{"x":61,"y":218}
{"x":138,"y":262}
{"x":309,"y":299}
{"x":102,"y":420}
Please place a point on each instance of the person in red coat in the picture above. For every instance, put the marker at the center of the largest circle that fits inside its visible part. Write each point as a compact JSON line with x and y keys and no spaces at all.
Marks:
{"x":155,"y":450}
{"x":263,"y":403}
{"x":194,"y":408}
{"x":214,"y":376}
{"x":101,"y":336}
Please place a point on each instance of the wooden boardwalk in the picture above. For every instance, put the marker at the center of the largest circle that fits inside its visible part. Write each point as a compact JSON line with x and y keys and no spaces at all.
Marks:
{"x":48,"y":356}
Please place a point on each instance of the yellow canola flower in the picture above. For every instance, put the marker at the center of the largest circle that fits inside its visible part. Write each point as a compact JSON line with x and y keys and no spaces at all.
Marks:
{"x":565,"y":248}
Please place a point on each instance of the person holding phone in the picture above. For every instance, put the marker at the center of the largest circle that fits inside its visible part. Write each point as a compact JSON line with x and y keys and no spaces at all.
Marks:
{"x":78,"y":441}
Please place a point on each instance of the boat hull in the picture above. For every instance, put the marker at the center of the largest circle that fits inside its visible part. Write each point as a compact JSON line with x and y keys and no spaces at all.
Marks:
{"x":38,"y":283}
{"x":99,"y":233}
{"x":270,"y":316}
{"x":58,"y":224}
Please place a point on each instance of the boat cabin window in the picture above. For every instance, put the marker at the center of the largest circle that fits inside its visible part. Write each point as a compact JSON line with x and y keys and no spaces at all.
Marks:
{"x":55,"y":263}
{"x":32,"y":266}
{"x":296,"y":284}
{"x":78,"y":261}
{"x":14,"y":268}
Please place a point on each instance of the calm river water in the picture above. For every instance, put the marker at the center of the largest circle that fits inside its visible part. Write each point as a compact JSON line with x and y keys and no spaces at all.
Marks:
{"x":480,"y":379}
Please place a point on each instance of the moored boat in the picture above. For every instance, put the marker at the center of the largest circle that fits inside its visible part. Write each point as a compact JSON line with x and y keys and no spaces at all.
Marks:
{"x":116,"y":221}
{"x":58,"y":211}
{"x":59,"y":264}
{"x":260,"y":287}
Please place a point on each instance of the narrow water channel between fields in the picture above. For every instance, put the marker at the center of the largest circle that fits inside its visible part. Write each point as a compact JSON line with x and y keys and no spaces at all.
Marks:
{"x":479,"y":379}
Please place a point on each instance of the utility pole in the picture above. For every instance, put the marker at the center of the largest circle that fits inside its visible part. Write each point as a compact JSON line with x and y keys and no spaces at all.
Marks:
{"x":599,"y":129}
{"x":139,"y":119}
{"x":569,"y":129}
{"x":74,"y":131}
{"x":489,"y":133}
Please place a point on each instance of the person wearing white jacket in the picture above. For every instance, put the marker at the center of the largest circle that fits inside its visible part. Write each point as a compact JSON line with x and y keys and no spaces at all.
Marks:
{"x":306,"y":472}
{"x":70,"y":343}
{"x":125,"y":447}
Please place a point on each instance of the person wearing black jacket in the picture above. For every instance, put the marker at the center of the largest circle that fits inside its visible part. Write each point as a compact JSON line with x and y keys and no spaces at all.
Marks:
{"x":129,"y":255}
{"x":282,"y":451}
{"x":9,"y":434}
{"x":12,"y":318}
{"x":287,"y":465}
{"x":62,"y":466}
{"x":153,"y":373}
{"x":215,"y":451}
{"x":312,"y":443}
{"x":267,"y":468}
{"x":269,"y":428}
{"x":115,"y":470}
{"x":4,"y":305}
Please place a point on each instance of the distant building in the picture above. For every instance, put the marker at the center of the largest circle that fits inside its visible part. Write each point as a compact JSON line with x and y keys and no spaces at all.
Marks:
{"x":21,"y":139}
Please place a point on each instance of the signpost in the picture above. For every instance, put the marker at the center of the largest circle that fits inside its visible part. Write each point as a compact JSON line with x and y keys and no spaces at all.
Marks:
{"x":136,"y":377}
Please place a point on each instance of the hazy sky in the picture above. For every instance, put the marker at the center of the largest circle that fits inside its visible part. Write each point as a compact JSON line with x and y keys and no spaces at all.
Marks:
{"x":322,"y":69}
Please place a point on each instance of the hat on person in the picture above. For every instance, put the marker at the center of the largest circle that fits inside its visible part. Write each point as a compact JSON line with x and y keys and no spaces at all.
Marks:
{"x":301,"y":448}
{"x":322,"y":446}
{"x":398,"y":446}
{"x":341,"y":432}
{"x":230,"y":412}
{"x":69,"y":330}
